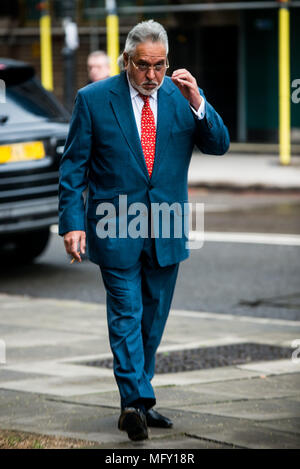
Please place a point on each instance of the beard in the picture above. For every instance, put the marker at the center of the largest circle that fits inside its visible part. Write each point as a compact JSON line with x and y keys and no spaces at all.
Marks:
{"x":146,"y":82}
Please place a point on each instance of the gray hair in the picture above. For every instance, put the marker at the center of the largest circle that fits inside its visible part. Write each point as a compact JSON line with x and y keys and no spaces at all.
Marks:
{"x":146,"y":31}
{"x":142,"y":32}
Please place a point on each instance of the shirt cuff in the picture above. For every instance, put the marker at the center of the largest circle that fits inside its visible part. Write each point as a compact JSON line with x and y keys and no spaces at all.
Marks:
{"x":201,"y":111}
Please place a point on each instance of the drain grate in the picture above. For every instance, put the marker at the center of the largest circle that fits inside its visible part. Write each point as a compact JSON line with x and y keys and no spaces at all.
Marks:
{"x":209,"y":357}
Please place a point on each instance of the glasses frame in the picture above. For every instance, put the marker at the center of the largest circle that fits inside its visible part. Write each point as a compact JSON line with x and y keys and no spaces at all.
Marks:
{"x":150,"y":67}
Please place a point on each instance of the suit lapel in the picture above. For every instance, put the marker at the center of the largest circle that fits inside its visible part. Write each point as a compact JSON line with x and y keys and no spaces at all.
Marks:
{"x":122,"y":107}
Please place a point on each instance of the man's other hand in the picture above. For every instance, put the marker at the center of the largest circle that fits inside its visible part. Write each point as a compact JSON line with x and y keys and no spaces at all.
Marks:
{"x":75,"y":243}
{"x":187,"y":84}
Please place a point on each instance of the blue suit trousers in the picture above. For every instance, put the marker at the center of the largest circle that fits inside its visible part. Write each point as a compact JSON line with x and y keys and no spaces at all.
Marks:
{"x":138,"y":302}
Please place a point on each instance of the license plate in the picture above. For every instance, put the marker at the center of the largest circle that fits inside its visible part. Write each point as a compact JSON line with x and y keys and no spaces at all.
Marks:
{"x":21,"y":152}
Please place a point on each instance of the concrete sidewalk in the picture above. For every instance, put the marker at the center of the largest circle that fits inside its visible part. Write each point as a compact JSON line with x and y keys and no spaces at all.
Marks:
{"x":262,"y":148}
{"x":46,"y":387}
{"x":244,"y":171}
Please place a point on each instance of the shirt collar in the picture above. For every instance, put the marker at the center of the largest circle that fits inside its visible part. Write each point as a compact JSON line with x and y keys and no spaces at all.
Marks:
{"x":134,"y":92}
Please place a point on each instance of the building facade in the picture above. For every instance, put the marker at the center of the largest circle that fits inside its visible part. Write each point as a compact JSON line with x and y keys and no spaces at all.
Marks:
{"x":233,"y":53}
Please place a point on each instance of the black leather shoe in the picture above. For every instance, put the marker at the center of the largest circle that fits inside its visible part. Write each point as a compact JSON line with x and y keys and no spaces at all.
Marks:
{"x":133,"y":421}
{"x":154,"y":419}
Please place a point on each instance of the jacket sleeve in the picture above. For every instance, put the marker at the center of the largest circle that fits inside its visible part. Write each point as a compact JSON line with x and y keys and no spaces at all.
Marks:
{"x":212,"y":136}
{"x":73,"y":169}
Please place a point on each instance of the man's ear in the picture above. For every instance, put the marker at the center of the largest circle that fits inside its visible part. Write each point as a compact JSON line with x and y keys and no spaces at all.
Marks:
{"x":126,"y":59}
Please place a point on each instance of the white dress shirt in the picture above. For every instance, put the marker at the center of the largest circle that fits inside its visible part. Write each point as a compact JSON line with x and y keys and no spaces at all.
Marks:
{"x":138,"y":103}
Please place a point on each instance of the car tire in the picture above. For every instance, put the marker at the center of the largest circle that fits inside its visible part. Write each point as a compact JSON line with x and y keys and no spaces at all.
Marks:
{"x":26,"y":246}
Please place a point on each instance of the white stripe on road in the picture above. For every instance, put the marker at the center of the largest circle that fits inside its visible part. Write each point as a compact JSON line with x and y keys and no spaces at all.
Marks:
{"x":255,"y":238}
{"x":227,"y":237}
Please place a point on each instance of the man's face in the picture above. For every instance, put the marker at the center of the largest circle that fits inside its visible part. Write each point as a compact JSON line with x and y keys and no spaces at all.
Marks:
{"x":146,"y":53}
{"x":98,"y":68}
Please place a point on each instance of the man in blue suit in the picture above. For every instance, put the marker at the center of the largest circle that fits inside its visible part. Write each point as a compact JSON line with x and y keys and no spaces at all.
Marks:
{"x":132,"y":135}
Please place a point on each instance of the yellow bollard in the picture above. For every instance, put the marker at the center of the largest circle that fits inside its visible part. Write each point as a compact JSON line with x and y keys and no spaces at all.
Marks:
{"x":112,"y":35}
{"x":284,"y":85}
{"x":112,"y":25}
{"x":46,"y":48}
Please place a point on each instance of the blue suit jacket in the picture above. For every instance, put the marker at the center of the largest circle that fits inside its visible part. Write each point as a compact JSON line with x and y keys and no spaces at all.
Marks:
{"x":103,"y":152}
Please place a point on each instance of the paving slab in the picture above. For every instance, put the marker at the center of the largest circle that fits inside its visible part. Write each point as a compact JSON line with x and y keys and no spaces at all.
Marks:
{"x":246,"y":435}
{"x":55,"y":351}
{"x":253,"y":388}
{"x":62,"y":386}
{"x":169,"y":442}
{"x":204,"y":393}
{"x":227,"y":431}
{"x":12,"y":375}
{"x":270,"y":409}
{"x":33,"y":412}
{"x":56,"y":368}
{"x":211,"y":375}
{"x":273,"y":367}
{"x":291,"y":425}
{"x":168,"y":397}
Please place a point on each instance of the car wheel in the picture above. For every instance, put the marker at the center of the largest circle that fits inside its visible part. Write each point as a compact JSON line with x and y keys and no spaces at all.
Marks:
{"x":25,"y":247}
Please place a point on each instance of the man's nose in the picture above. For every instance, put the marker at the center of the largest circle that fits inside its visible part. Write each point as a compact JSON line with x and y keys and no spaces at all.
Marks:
{"x":150,"y":74}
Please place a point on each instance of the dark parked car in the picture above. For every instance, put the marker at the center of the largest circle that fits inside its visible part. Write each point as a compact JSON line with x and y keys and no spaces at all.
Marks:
{"x":33,"y":129}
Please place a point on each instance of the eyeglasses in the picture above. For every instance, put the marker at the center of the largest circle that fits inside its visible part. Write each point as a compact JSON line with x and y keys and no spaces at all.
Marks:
{"x":146,"y":67}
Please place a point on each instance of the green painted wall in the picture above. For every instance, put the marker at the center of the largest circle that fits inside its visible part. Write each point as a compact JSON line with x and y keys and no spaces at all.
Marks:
{"x":295,"y":61}
{"x":262,"y":70}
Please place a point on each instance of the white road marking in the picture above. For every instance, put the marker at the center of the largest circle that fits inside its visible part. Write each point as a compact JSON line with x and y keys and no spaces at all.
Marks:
{"x":255,"y":238}
{"x":228,"y":237}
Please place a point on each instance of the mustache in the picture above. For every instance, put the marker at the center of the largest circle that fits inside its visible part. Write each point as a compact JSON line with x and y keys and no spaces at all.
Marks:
{"x":150,"y":82}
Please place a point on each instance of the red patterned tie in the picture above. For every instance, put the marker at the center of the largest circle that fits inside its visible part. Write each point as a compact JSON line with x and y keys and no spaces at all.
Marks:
{"x":148,"y":133}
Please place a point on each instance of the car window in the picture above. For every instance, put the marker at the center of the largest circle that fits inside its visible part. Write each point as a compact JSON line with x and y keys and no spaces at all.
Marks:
{"x":29,"y":102}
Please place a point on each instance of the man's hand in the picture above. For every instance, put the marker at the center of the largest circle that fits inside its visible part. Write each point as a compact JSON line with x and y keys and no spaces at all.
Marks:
{"x":188,"y":86}
{"x":71,"y":240}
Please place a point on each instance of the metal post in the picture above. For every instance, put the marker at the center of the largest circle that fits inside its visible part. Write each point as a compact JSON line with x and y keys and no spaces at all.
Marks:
{"x":68,"y":52}
{"x":46,"y":49}
{"x":112,"y":35}
{"x":284,"y":84}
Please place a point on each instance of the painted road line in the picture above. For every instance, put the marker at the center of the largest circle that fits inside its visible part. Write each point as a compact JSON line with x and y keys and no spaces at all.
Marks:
{"x":228,"y":237}
{"x":254,"y":238}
